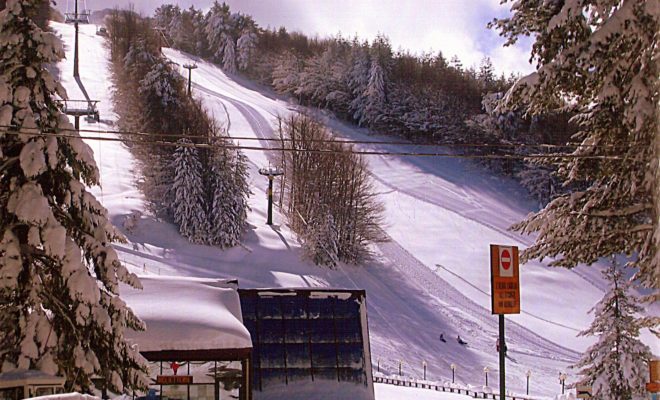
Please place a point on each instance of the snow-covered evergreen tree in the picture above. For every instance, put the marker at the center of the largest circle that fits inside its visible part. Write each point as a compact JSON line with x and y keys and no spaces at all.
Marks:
{"x":179,"y":32}
{"x":287,"y":73}
{"x":616,"y":365}
{"x":161,"y":92}
{"x":229,"y":55}
{"x":486,"y":75}
{"x":160,"y":85}
{"x":218,"y":26}
{"x":139,"y":59}
{"x":321,"y":81}
{"x":164,"y":14}
{"x":601,"y":56}
{"x":246,"y":46}
{"x":189,"y":206}
{"x":358,"y":78}
{"x":60,"y":310}
{"x":539,"y":180}
{"x":230,"y":191}
{"x":374,"y":94}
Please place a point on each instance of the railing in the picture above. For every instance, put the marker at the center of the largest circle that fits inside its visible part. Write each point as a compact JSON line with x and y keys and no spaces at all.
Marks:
{"x":438,"y":387}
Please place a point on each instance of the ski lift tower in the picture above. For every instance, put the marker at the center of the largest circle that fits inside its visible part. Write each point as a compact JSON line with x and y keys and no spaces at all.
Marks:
{"x":79,"y":108}
{"x":270,"y":172}
{"x":76,"y":18}
{"x":189,"y":67}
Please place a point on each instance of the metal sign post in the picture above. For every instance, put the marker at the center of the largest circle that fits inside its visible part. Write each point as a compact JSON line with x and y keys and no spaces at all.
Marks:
{"x":505,"y":295}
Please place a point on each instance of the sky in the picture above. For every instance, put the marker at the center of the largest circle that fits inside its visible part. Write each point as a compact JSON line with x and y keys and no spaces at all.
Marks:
{"x":454,"y":27}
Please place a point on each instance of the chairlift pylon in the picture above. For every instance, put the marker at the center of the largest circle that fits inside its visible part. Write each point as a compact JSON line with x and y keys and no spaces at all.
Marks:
{"x":82,"y":17}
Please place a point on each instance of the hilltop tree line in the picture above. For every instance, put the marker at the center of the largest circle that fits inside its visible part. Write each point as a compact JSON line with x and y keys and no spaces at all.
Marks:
{"x":203,"y":190}
{"x":424,"y":98}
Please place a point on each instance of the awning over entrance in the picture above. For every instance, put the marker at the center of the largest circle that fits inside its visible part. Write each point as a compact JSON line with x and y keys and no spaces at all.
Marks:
{"x":188,"y":318}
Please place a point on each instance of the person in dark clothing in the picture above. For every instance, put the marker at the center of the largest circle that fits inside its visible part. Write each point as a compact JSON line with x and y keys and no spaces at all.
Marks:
{"x":442,"y":338}
{"x":460,"y":340}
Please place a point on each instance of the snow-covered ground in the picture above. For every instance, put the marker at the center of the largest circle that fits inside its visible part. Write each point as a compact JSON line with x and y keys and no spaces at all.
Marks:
{"x":389,"y":392}
{"x":431,"y":278}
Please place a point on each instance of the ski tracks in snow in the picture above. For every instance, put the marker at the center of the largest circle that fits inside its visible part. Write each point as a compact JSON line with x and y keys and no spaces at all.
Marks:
{"x":472,"y":317}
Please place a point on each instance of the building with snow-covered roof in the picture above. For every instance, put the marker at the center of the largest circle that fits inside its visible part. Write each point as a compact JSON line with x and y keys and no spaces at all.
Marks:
{"x":195,"y":342}
{"x":207,"y":339}
{"x":21,"y":384}
{"x":308,"y":343}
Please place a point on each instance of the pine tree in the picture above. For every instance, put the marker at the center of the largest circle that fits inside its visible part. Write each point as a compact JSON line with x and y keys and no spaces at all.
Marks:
{"x":189,"y":206}
{"x":246,"y":46}
{"x":160,"y":86}
{"x":164,"y":17}
{"x":539,"y":180}
{"x":616,"y":365}
{"x":229,"y":55}
{"x":486,"y":75}
{"x":374,"y":95}
{"x":230,"y":191}
{"x":217,"y":28}
{"x":60,"y":310}
{"x":456,"y":63}
{"x":603,"y":56}
{"x":287,"y":73}
{"x":181,"y":31}
{"x":358,"y":78}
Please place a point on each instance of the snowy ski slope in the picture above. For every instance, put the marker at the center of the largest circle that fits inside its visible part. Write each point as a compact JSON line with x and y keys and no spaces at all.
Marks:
{"x":432,"y":277}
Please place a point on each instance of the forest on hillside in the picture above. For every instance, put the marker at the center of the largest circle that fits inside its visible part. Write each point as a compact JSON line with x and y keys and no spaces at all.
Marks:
{"x":424,"y":98}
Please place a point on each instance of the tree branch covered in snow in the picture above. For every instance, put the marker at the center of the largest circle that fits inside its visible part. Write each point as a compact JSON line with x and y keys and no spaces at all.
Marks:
{"x":599,"y":59}
{"x":60,"y":310}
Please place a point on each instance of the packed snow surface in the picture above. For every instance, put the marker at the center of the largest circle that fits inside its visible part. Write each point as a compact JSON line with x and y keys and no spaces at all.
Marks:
{"x":66,"y":396}
{"x":430,"y":278}
{"x":187,"y":314}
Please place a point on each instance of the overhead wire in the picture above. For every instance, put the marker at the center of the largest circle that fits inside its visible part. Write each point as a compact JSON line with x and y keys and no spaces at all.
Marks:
{"x":325,"y":151}
{"x":341,"y":141}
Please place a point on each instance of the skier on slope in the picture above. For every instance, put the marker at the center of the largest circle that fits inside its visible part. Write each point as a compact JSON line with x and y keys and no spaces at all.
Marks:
{"x":442,"y":338}
{"x":460,"y":340}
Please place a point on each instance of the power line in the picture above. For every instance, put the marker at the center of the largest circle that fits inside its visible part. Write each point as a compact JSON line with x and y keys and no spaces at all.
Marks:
{"x":328,"y":151}
{"x":343,"y":141}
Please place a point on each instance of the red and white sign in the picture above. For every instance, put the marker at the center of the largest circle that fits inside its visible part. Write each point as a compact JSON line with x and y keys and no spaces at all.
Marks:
{"x":506,"y":261}
{"x":504,"y":279}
